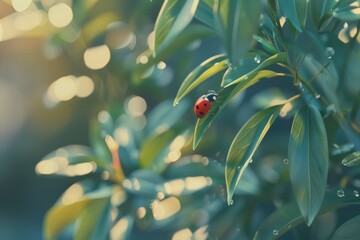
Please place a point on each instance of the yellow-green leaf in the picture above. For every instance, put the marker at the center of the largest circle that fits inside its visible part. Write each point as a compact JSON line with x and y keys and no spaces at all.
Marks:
{"x":245,"y":144}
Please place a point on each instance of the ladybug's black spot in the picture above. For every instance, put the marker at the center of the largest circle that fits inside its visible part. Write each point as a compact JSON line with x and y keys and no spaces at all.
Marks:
{"x":197,"y":106}
{"x":201,"y":113}
{"x":205,"y":104}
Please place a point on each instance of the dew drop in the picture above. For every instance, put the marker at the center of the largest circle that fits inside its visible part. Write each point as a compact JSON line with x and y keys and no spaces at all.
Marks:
{"x":232,"y":202}
{"x":275,"y":232}
{"x":329,"y":52}
{"x":340,"y":193}
{"x":251,"y":160}
{"x":356,"y":193}
{"x":257,"y":59}
{"x":317,"y":96}
{"x":286,"y":161}
{"x":238,"y":168}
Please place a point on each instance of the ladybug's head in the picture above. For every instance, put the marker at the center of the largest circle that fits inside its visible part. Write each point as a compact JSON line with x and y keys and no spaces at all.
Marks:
{"x":211,"y":97}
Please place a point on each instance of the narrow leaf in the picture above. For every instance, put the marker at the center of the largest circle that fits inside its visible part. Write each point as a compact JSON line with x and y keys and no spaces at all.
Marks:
{"x":174,"y":16}
{"x":295,"y":11}
{"x":224,"y":96}
{"x":349,"y":230}
{"x":193,"y":32}
{"x":204,"y":71}
{"x":63,"y":214}
{"x":237,"y":75}
{"x":244,"y":146}
{"x":94,"y":221}
{"x":288,"y":216}
{"x":352,"y":160}
{"x":205,"y":13}
{"x":238,"y":21}
{"x":308,"y":155}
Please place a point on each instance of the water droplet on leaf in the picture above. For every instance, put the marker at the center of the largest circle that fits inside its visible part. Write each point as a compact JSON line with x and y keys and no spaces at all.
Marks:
{"x":286,"y":161}
{"x":329,"y":52}
{"x":317,"y":96}
{"x":251,"y":160}
{"x":275,"y":232}
{"x":257,"y":59}
{"x":356,"y":193}
{"x":232,"y":202}
{"x":340,"y":193}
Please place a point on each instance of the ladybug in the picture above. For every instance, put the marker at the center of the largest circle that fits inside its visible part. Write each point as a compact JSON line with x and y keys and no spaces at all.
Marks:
{"x":203,"y":104}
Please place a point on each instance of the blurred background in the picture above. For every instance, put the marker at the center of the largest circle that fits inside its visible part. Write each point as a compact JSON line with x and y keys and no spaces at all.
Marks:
{"x":61,"y":62}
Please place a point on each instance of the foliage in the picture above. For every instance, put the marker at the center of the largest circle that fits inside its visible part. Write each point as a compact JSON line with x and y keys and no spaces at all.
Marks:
{"x":148,"y":181}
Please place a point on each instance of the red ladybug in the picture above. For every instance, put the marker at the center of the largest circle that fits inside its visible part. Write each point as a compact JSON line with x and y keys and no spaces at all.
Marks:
{"x":203,"y":104}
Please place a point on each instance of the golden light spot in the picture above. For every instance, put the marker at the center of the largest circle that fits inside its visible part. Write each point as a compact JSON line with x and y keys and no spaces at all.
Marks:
{"x":65,"y":88}
{"x":183,"y":234}
{"x":60,"y":15}
{"x":142,"y":59}
{"x":28,"y":20}
{"x":175,"y":187}
{"x":122,"y":136}
{"x":127,"y":184}
{"x":51,"y":166}
{"x":286,"y":109}
{"x":173,"y":156}
{"x":165,"y":208}
{"x":136,"y":184}
{"x":84,"y":168}
{"x":103,"y":116}
{"x":201,"y":233}
{"x":141,"y":212}
{"x":282,"y":21}
{"x":118,"y":197}
{"x":119,"y":229}
{"x":72,"y":194}
{"x":196,"y":183}
{"x":136,"y":106}
{"x":356,"y":10}
{"x":160,"y":195}
{"x":151,"y":40}
{"x":20,"y":5}
{"x":178,"y":143}
{"x":161,"y":65}
{"x":342,"y":36}
{"x":97,"y":57}
{"x":85,"y":86}
{"x":353,"y":31}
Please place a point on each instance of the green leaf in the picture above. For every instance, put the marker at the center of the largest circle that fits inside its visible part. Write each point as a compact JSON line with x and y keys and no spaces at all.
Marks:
{"x":224,"y":96}
{"x":238,"y":21}
{"x":352,"y":160}
{"x":348,"y":13}
{"x":288,"y":216}
{"x":94,"y":221}
{"x":174,"y":16}
{"x":319,"y":8}
{"x":308,"y":161}
{"x":155,"y":146}
{"x":63,"y":213}
{"x":60,"y":161}
{"x":295,"y":11}
{"x":237,"y":74}
{"x":349,"y":230}
{"x":204,"y":71}
{"x":244,"y":145}
{"x":266,"y":44}
{"x":193,"y":32}
{"x":205,"y":13}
